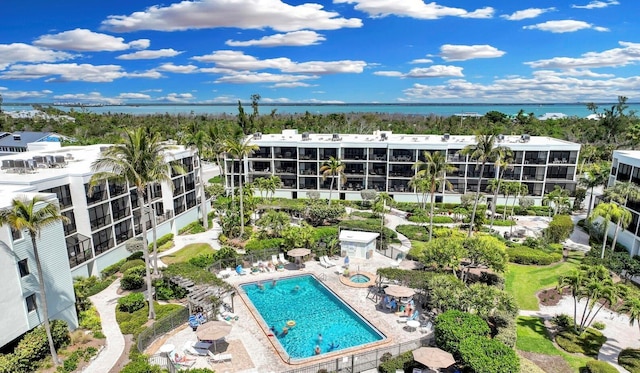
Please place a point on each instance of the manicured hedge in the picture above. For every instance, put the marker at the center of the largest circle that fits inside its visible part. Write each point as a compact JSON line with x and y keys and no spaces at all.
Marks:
{"x":162,"y":240}
{"x":191,"y":228}
{"x":112,"y":269}
{"x":630,"y":360}
{"x":34,"y":347}
{"x":424,"y":218}
{"x":526,"y":255}
{"x":396,"y":363}
{"x":370,"y":225}
{"x":131,"y":303}
{"x":414,"y":232}
{"x":133,"y":278}
{"x":269,"y":243}
{"x":559,"y":228}
{"x":134,"y":323}
{"x":485,"y":355}
{"x":598,"y":366}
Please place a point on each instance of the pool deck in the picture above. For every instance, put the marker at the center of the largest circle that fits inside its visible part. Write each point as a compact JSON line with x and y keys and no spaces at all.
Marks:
{"x":254,"y":351}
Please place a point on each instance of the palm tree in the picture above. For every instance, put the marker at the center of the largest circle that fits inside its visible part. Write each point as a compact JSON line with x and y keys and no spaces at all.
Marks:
{"x":240,"y":149}
{"x":273,"y":183}
{"x":421,"y":186}
{"x":592,"y":177}
{"x":382,"y":201}
{"x":483,"y":151}
{"x":333,"y":167}
{"x":140,"y":162}
{"x":556,"y":199}
{"x":518,"y":189}
{"x":33,"y":216}
{"x":607,"y":211}
{"x":622,"y":192}
{"x":198,"y":139}
{"x":631,"y":306}
{"x":504,"y":160}
{"x":434,"y":170}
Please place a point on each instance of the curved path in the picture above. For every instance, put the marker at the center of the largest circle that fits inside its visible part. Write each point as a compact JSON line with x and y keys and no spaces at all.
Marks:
{"x":105,"y":302}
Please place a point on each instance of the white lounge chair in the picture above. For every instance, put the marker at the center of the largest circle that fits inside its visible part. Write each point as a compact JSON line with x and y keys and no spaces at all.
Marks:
{"x":274,"y":260}
{"x":190,"y":350}
{"x":329,"y":261}
{"x":282,"y":259}
{"x":219,"y":358}
{"x":323,"y":262}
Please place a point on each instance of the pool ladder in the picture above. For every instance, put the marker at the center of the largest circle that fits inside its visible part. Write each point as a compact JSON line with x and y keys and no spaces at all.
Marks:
{"x":323,"y":276}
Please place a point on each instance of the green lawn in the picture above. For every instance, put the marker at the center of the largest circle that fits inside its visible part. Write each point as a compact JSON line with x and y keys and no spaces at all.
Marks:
{"x":533,"y":337}
{"x":187,"y":252}
{"x":523,"y":281}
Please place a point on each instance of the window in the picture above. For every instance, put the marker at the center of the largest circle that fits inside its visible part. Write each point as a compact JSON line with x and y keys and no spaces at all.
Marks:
{"x":63,"y":193}
{"x":23,"y":266}
{"x":70,"y":227}
{"x":102,"y":241}
{"x":16,"y":234}
{"x":31,"y":303}
{"x":99,"y":216}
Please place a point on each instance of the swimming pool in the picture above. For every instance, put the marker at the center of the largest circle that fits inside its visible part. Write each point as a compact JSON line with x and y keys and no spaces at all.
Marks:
{"x":316,"y":310}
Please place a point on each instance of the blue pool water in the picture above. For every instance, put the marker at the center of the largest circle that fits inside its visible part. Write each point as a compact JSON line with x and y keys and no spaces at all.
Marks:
{"x":315,"y":310}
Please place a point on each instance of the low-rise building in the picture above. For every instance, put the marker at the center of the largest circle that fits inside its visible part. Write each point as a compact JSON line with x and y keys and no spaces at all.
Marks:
{"x":625,"y":167}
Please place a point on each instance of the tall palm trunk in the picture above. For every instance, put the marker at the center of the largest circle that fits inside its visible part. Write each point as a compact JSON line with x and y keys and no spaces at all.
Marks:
{"x":43,"y":301}
{"x":145,"y":251}
{"x":615,"y":237}
{"x":203,"y":200}
{"x":433,"y":197}
{"x":333,"y":179}
{"x":154,"y":232}
{"x":241,"y":202}
{"x":604,"y":239}
{"x":475,"y":204}
{"x":590,"y":202}
{"x":513,"y":210}
{"x":495,"y":203}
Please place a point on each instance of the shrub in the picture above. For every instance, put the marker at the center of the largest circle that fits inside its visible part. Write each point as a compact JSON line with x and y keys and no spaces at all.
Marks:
{"x":369,"y":225}
{"x":191,"y":228}
{"x":526,"y":255}
{"x":90,"y":320}
{"x":112,"y":269}
{"x":414,"y":232}
{"x":136,"y":255}
{"x":133,"y":323}
{"x":257,"y":245}
{"x":454,"y":326}
{"x":562,"y":321}
{"x":559,"y":228}
{"x":162,"y":240}
{"x":629,"y":358}
{"x":131,"y":303}
{"x":202,"y":260}
{"x":439,"y":232}
{"x":484,"y":355}
{"x":599,"y":325}
{"x":599,"y":366}
{"x":133,"y":278}
{"x":140,"y":364}
{"x":394,"y":364}
{"x":33,"y":347}
{"x":131,"y":264}
{"x":588,"y":343}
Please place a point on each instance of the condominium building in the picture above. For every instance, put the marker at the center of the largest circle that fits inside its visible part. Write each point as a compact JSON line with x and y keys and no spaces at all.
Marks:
{"x":383,"y":161}
{"x":101,"y":222}
{"x":626,"y":167}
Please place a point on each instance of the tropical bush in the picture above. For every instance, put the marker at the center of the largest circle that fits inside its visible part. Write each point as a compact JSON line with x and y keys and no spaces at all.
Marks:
{"x":598,"y":325}
{"x":166,"y":289}
{"x":559,"y":228}
{"x":140,"y":364}
{"x":133,"y":278}
{"x":90,"y":319}
{"x":131,"y":264}
{"x":599,"y":366}
{"x":84,"y":287}
{"x":133,"y":323}
{"x":452,"y":327}
{"x":503,"y":222}
{"x":255,"y":244}
{"x":370,"y":225}
{"x":485,"y":355}
{"x":394,"y":364}
{"x":629,"y":358}
{"x":439,"y":232}
{"x":525,"y":255}
{"x":587,"y":343}
{"x":112,"y":269}
{"x":34,"y":347}
{"x":414,"y":232}
{"x":131,"y":303}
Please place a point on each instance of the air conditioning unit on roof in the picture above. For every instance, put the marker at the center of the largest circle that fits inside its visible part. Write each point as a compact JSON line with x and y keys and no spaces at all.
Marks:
{"x":257,"y":135}
{"x":335,"y":137}
{"x":525,"y":137}
{"x":446,"y":137}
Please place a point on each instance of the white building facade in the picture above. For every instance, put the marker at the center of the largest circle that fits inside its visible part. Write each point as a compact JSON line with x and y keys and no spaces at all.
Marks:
{"x":100,"y":223}
{"x":383,"y":162}
{"x":625,"y":166}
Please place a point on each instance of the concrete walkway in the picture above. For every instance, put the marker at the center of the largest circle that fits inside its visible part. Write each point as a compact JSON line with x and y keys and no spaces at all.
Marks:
{"x":105,"y":302}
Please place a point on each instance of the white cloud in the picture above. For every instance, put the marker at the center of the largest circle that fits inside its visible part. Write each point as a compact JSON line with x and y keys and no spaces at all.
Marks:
{"x":415,"y":9}
{"x":291,"y":85}
{"x":177,"y":97}
{"x":251,"y":78}
{"x":67,"y":72}
{"x":134,"y":96}
{"x":23,"y":95}
{"x":394,"y":74}
{"x":450,"y":52}
{"x":202,"y":14}
{"x":290,"y":39}
{"x":435,"y":71}
{"x":150,"y":54}
{"x":526,"y":13}
{"x":91,"y":97}
{"x":596,"y":4}
{"x":19,"y":52}
{"x":178,"y":69}
{"x":83,"y":40}
{"x":628,"y":54}
{"x":421,"y":60}
{"x":235,"y":60}
{"x":562,"y":26}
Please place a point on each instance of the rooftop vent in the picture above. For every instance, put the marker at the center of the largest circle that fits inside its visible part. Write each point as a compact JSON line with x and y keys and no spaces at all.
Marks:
{"x":446,"y":137}
{"x":305,"y":136}
{"x":257,"y":135}
{"x":335,"y":137}
{"x":525,"y":137}
{"x":500,"y":137}
{"x":383,"y":136}
{"x":17,"y":137}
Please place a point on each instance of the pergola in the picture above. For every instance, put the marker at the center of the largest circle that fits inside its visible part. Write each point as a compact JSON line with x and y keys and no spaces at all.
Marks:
{"x":199,"y":295}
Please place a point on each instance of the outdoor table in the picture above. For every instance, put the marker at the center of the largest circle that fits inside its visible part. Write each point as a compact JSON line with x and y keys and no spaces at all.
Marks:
{"x":413,"y":324}
{"x":202,"y":345}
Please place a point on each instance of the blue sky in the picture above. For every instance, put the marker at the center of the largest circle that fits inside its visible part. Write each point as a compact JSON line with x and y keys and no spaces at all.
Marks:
{"x":340,"y":51}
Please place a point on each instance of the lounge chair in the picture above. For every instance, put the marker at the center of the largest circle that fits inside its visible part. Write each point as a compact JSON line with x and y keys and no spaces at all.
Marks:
{"x":190,"y":350}
{"x":323,"y":262}
{"x":414,"y":316}
{"x":184,"y":363}
{"x":219,"y":358}
{"x":274,"y":260}
{"x":282,"y":259}
{"x":329,"y":261}
{"x":241,"y":271}
{"x":426,"y":327}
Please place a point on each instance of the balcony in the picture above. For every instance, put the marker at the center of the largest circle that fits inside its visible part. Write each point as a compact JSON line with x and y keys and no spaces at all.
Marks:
{"x":78,"y":249}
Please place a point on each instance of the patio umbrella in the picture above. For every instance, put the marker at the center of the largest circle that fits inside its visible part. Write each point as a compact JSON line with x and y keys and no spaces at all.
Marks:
{"x":213,"y":331}
{"x":433,"y":357}
{"x":298,"y":252}
{"x":399,"y":291}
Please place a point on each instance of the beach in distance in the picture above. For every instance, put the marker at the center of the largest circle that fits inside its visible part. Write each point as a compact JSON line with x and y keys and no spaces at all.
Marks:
{"x":569,"y":109}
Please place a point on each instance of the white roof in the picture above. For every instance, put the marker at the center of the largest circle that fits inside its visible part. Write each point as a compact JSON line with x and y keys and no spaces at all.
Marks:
{"x":357,"y":236}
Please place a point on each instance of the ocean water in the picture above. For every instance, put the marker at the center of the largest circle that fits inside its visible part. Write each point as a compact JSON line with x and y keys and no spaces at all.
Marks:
{"x":577,"y":110}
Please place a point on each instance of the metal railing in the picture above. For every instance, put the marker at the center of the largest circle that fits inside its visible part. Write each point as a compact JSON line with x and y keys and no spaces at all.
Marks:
{"x":162,"y":326}
{"x":365,"y":360}
{"x":163,"y":361}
